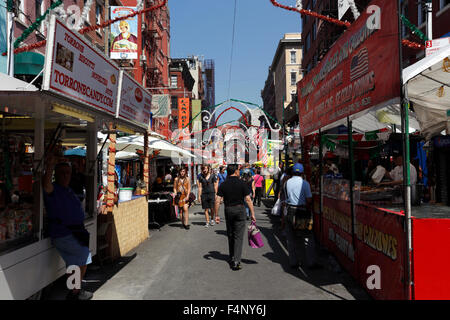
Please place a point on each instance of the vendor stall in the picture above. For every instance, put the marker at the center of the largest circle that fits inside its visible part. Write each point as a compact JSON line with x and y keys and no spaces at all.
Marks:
{"x":79,"y":97}
{"x":373,"y":215}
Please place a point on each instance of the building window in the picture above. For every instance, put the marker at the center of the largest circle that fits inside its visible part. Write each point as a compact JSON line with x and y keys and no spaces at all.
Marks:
{"x":39,"y":11}
{"x":173,"y":82}
{"x":293,"y":57}
{"x":293,"y":78}
{"x":22,"y":11}
{"x":174,"y":102}
{"x":98,"y":14}
{"x":421,"y":14}
{"x":443,"y":4}
{"x":87,"y":18}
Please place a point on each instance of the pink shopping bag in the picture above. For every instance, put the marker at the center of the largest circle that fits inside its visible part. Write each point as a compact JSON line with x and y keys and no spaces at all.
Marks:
{"x":254,"y":236}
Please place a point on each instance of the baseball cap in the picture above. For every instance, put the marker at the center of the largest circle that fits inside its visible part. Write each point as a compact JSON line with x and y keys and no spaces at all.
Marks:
{"x":298,"y":167}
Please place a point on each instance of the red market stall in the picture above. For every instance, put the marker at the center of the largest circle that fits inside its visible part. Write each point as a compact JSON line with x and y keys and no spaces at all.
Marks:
{"x":349,"y":93}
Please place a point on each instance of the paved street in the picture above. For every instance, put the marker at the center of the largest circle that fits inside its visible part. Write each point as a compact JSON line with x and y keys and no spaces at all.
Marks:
{"x":192,"y":264}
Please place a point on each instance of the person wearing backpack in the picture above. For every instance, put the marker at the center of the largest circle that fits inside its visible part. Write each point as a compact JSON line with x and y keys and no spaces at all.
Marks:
{"x":207,"y":190}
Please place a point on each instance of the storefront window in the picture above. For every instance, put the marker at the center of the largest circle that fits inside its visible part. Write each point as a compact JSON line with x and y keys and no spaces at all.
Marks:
{"x":19,"y":217}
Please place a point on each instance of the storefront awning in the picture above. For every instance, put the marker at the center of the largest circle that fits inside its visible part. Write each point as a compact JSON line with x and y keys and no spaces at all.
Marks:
{"x":30,"y":63}
{"x":428,"y":88}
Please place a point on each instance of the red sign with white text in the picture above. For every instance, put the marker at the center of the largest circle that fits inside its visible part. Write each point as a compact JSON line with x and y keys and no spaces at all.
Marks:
{"x":360,"y":71}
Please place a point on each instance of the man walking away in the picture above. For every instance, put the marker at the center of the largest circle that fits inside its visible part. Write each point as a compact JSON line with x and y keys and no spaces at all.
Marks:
{"x":299,"y":216}
{"x":234,"y":192}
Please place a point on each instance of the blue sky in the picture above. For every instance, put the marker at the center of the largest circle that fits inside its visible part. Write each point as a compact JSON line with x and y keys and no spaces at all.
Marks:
{"x":204,"y":28}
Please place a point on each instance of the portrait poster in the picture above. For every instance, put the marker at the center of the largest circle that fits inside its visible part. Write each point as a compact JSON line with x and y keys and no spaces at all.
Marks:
{"x":124,"y":34}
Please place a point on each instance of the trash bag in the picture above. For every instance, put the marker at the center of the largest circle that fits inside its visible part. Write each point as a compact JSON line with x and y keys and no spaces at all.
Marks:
{"x":276,"y":210}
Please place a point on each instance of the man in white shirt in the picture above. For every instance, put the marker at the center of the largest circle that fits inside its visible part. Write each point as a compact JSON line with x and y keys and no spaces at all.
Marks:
{"x":396,"y":175}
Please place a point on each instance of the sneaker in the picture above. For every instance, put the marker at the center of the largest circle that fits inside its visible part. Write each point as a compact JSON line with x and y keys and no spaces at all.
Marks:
{"x":212,"y":222}
{"x":187,"y":227}
{"x":80,"y":295}
{"x":236,"y":266}
{"x":207,"y":225}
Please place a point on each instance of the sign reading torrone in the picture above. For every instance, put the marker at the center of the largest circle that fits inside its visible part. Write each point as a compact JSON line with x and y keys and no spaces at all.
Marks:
{"x":76,"y":70}
{"x":135,"y":102}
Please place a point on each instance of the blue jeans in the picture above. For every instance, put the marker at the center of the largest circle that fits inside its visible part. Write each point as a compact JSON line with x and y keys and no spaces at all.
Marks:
{"x":247,"y":209}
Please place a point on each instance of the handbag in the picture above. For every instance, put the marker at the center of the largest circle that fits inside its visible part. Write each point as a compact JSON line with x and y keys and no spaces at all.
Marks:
{"x":191,"y":198}
{"x":254,"y":236}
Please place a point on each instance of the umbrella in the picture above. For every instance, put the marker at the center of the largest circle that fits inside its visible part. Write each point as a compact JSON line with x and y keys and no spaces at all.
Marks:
{"x":79,"y":152}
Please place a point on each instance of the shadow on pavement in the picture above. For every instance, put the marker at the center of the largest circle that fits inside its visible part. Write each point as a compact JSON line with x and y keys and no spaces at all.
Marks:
{"x":176,"y":225}
{"x":317,"y":277}
{"x":96,"y":276}
{"x":225,"y":257}
{"x":199,"y":223}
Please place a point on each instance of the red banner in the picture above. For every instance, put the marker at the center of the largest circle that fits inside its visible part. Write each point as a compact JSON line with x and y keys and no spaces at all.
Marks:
{"x":360,"y":71}
{"x":183,"y":112}
{"x":337,"y":232}
{"x":381,"y":244}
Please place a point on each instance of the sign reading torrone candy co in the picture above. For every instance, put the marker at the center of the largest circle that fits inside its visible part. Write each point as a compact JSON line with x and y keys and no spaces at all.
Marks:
{"x":135,"y":102}
{"x":360,"y":71}
{"x":76,"y":70}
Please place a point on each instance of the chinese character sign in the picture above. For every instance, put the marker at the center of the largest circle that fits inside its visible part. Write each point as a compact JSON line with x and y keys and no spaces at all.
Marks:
{"x":183,"y":112}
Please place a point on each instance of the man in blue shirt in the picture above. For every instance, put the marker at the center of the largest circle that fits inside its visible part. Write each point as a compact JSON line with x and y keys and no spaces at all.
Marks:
{"x":66,"y":221}
{"x":299,"y":217}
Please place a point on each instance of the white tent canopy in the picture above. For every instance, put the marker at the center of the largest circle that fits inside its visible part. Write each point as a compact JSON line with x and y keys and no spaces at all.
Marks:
{"x":127,"y":146}
{"x":428,"y":88}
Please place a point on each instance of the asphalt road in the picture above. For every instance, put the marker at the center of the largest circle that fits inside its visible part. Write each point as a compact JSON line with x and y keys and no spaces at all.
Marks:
{"x":192,"y":264}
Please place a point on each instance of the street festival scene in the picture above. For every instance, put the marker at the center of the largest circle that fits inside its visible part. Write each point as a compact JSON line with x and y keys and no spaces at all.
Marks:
{"x":225,"y":150}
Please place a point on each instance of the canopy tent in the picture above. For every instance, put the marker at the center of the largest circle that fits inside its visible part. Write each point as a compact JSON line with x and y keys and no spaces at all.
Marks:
{"x":133,"y":143}
{"x":428,"y":88}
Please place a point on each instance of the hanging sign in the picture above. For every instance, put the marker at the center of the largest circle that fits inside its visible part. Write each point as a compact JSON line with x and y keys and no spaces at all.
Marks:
{"x":134,"y":101}
{"x":183,"y":112}
{"x":75,"y":69}
{"x":359,"y":72}
{"x":160,"y":106}
{"x":124,"y":34}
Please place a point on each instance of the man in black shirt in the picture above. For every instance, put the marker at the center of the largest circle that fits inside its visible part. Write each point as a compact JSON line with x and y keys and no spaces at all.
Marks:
{"x":234,"y":192}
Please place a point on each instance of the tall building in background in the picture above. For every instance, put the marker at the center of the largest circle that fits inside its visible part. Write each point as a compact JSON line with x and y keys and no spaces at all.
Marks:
{"x":284,"y":73}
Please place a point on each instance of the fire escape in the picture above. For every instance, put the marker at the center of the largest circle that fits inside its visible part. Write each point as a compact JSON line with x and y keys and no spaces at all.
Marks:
{"x":152,"y":40}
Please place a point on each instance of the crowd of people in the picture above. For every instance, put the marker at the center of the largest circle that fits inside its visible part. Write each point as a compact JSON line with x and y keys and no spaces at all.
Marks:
{"x":238,"y":187}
